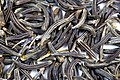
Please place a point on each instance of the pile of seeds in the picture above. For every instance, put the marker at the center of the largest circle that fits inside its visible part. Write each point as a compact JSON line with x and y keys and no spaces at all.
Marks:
{"x":59,"y":40}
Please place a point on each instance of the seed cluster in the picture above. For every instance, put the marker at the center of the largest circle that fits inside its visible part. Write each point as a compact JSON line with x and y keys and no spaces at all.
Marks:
{"x":59,"y":39}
